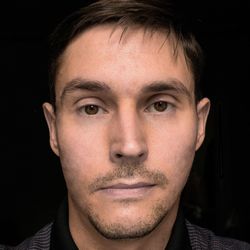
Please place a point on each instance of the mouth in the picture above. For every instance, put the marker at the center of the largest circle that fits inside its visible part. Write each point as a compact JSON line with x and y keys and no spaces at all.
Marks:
{"x":129,"y":186}
{"x":126,"y":191}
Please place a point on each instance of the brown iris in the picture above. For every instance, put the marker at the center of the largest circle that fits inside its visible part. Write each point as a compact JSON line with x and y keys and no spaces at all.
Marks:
{"x":160,"y":106}
{"x":91,"y":109}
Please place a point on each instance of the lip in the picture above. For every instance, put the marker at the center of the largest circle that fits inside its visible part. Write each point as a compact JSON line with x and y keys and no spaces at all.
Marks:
{"x":129,"y":186}
{"x":122,"y":191}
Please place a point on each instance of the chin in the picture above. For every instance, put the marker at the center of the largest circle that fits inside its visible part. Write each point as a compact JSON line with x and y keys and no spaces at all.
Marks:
{"x":125,"y":229}
{"x":128,"y":222}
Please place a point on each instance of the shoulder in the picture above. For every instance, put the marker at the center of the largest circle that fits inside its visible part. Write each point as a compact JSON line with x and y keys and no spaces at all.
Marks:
{"x":201,"y":238}
{"x":40,"y":241}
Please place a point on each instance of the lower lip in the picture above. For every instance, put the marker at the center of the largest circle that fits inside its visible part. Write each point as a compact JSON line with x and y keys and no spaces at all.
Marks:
{"x":127,"y":193}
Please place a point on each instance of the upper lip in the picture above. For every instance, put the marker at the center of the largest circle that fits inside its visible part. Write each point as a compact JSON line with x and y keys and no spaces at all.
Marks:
{"x":129,"y":186}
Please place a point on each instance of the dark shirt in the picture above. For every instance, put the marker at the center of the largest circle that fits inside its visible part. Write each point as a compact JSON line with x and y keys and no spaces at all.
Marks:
{"x":56,"y":236}
{"x":61,"y":238}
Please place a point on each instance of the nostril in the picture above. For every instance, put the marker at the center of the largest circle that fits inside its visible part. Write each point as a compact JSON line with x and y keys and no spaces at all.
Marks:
{"x":118,"y":155}
{"x":140,"y":155}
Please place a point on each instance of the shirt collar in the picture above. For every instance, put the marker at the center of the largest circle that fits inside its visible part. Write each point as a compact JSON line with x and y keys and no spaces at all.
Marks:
{"x":61,"y":238}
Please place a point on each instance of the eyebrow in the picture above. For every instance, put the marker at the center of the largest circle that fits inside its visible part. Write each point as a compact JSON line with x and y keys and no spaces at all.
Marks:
{"x":153,"y":87}
{"x":169,"y":85}
{"x":83,"y":84}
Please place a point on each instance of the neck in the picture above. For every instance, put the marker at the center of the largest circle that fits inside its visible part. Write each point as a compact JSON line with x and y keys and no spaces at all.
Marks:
{"x":86,"y":237}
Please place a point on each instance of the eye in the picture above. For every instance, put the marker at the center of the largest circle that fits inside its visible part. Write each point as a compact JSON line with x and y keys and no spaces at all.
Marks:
{"x":91,"y":109}
{"x":159,"y":106}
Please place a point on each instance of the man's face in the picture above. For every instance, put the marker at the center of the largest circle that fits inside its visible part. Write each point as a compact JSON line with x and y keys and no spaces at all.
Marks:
{"x":126,"y":129}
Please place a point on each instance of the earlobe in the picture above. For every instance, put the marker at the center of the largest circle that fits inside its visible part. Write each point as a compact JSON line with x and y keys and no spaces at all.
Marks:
{"x":203,"y":108}
{"x":49,"y":114}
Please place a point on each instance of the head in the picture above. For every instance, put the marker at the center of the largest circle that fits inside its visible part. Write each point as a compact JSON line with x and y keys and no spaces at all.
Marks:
{"x":125,"y":117}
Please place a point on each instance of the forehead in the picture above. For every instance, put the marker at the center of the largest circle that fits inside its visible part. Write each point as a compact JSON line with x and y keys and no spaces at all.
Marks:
{"x":124,"y":59}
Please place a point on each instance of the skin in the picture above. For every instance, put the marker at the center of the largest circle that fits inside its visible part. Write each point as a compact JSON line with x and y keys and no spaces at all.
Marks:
{"x":127,"y":158}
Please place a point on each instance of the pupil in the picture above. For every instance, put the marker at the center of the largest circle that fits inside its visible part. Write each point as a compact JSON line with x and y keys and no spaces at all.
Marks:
{"x":160,"y":106}
{"x":91,"y":109}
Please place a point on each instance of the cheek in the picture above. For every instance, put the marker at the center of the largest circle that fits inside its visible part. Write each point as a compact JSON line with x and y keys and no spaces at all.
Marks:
{"x":173,"y":150}
{"x":80,"y":153}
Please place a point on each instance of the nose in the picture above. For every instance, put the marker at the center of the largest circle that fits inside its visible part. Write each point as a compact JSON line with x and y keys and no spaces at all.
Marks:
{"x":128,"y":142}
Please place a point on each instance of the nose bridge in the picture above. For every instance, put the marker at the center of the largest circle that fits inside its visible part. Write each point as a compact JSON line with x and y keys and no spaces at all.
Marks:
{"x":128,"y":134}
{"x":130,"y":126}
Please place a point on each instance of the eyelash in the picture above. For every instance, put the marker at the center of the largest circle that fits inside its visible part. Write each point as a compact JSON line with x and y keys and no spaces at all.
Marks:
{"x":82,"y":109}
{"x":166,"y":109}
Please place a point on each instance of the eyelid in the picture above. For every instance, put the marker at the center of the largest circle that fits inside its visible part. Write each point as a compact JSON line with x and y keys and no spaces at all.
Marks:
{"x":89,"y":99}
{"x":161,"y":98}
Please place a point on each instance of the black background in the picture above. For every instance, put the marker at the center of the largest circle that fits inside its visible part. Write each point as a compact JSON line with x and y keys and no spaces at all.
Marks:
{"x":31,"y":182}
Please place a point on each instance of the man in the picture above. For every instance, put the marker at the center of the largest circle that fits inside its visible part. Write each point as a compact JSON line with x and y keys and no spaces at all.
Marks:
{"x":126,"y":118}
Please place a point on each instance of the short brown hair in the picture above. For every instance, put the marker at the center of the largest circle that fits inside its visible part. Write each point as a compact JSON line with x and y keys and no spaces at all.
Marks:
{"x":151,"y":14}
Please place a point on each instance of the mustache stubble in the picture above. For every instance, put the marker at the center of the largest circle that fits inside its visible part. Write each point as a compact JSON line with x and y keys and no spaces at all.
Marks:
{"x":129,"y":171}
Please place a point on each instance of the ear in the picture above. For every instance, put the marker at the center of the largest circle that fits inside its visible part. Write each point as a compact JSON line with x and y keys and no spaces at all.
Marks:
{"x":203,"y":108}
{"x":49,"y":114}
